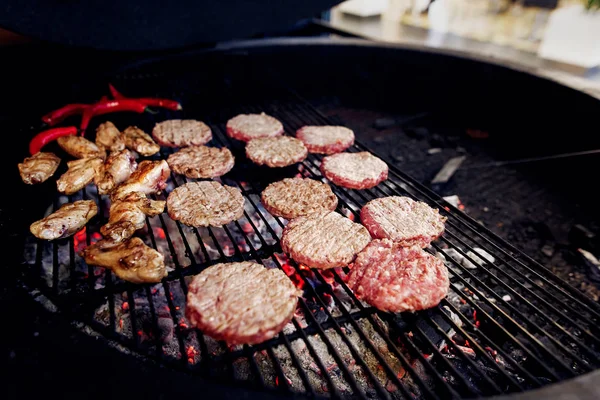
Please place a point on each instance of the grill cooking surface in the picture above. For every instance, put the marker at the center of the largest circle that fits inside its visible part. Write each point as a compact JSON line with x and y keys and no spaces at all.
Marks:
{"x":507,"y":325}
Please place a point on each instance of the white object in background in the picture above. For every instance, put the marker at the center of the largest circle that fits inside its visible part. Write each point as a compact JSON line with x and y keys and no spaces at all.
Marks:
{"x":571,"y":37}
{"x":439,"y":16}
{"x":397,"y":8}
{"x":364,"y":8}
{"x":419,"y":6}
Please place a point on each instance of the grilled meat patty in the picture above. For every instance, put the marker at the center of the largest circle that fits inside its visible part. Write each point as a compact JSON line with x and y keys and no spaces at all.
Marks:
{"x":241,"y":303}
{"x":205,"y":203}
{"x":38,"y":168}
{"x":117,"y":168}
{"x":65,"y":221}
{"x":139,"y":141}
{"x":294,"y":197}
{"x":181,"y":133}
{"x":246,"y":127}
{"x":395,"y":278}
{"x":109,"y":138}
{"x":128,"y":214}
{"x":80,"y":147}
{"x":130,"y":260}
{"x":79,"y":175}
{"x":326,"y":139}
{"x":403,"y":220}
{"x":354,"y":170}
{"x":324,"y":239}
{"x":201,"y":161}
{"x":279,"y":151}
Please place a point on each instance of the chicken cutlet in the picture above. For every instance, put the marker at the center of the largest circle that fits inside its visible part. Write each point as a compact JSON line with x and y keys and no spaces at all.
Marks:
{"x":109,"y":138}
{"x":139,"y":141}
{"x":128,"y":214}
{"x":150,"y":177}
{"x":80,"y":173}
{"x":38,"y":168}
{"x":65,"y":221}
{"x":80,"y":147}
{"x":117,"y":168}
{"x":130,"y":260}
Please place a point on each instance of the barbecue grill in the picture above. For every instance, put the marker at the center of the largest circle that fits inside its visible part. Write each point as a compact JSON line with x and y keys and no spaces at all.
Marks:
{"x":509,"y":325}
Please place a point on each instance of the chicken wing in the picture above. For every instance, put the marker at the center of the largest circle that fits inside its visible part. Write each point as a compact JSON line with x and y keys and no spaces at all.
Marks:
{"x":138,"y":140}
{"x":38,"y":168}
{"x":130,"y":260}
{"x":65,"y":221}
{"x":80,"y":173}
{"x":80,"y":147}
{"x":128,"y":214}
{"x":109,"y":138}
{"x":117,"y":168}
{"x":149,"y":177}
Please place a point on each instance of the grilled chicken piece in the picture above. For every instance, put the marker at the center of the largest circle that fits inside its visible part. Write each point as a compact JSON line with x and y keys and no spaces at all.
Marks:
{"x":80,"y":173}
{"x":128,"y":214}
{"x":109,"y":138}
{"x":138,"y":140}
{"x":80,"y":147}
{"x":38,"y":168}
{"x":149,"y":177}
{"x":131,"y":260}
{"x":65,"y":221}
{"x":117,"y":168}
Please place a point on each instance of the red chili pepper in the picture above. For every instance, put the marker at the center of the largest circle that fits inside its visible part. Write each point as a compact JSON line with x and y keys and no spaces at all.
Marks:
{"x":45,"y":137}
{"x":110,"y":106}
{"x":149,"y":101}
{"x":59,"y":115}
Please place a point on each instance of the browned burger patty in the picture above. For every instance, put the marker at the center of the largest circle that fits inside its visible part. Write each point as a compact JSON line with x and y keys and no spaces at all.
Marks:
{"x":181,"y":133}
{"x":294,"y":197}
{"x":403,"y":220}
{"x":241,"y":303}
{"x":326,"y":139}
{"x":354,"y":170}
{"x":324,"y":239}
{"x":278,"y":151}
{"x":205,"y":203}
{"x":201,"y":161}
{"x":246,"y":127}
{"x":395,"y":278}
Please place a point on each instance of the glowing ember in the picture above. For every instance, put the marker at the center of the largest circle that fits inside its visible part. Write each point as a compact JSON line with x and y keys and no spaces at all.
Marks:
{"x":294,"y":275}
{"x":351,"y":217}
{"x":328,"y":276}
{"x":121,"y":323}
{"x":182,"y":324}
{"x":247,"y":227}
{"x":96,"y":237}
{"x":191,"y":353}
{"x":303,"y":267}
{"x":159,"y":232}
{"x":79,"y":240}
{"x":125,"y":306}
{"x":289,"y":381}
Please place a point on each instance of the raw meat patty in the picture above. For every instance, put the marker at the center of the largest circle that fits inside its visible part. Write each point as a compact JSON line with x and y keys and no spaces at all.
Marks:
{"x":246,"y":127}
{"x":181,"y":133}
{"x":354,"y":170}
{"x":201,"y":161}
{"x":241,"y":303}
{"x":276,"y":151}
{"x":326,"y":139}
{"x":324,"y":239}
{"x":294,"y":197}
{"x":394,"y":278}
{"x":205,"y":203}
{"x":403,"y":220}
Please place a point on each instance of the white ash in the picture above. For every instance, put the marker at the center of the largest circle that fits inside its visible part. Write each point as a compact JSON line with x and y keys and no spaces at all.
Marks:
{"x":478,"y":256}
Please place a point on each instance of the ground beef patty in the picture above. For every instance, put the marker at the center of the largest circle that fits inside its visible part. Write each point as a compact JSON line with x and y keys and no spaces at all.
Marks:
{"x":276,"y":151}
{"x":403,"y":220}
{"x":246,"y":127}
{"x":326,"y":139}
{"x":324,"y":239}
{"x":354,"y":170}
{"x":241,"y":303}
{"x":395,"y":278}
{"x":201,"y":161}
{"x":294,"y":197}
{"x":205,"y":203}
{"x":181,"y":133}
